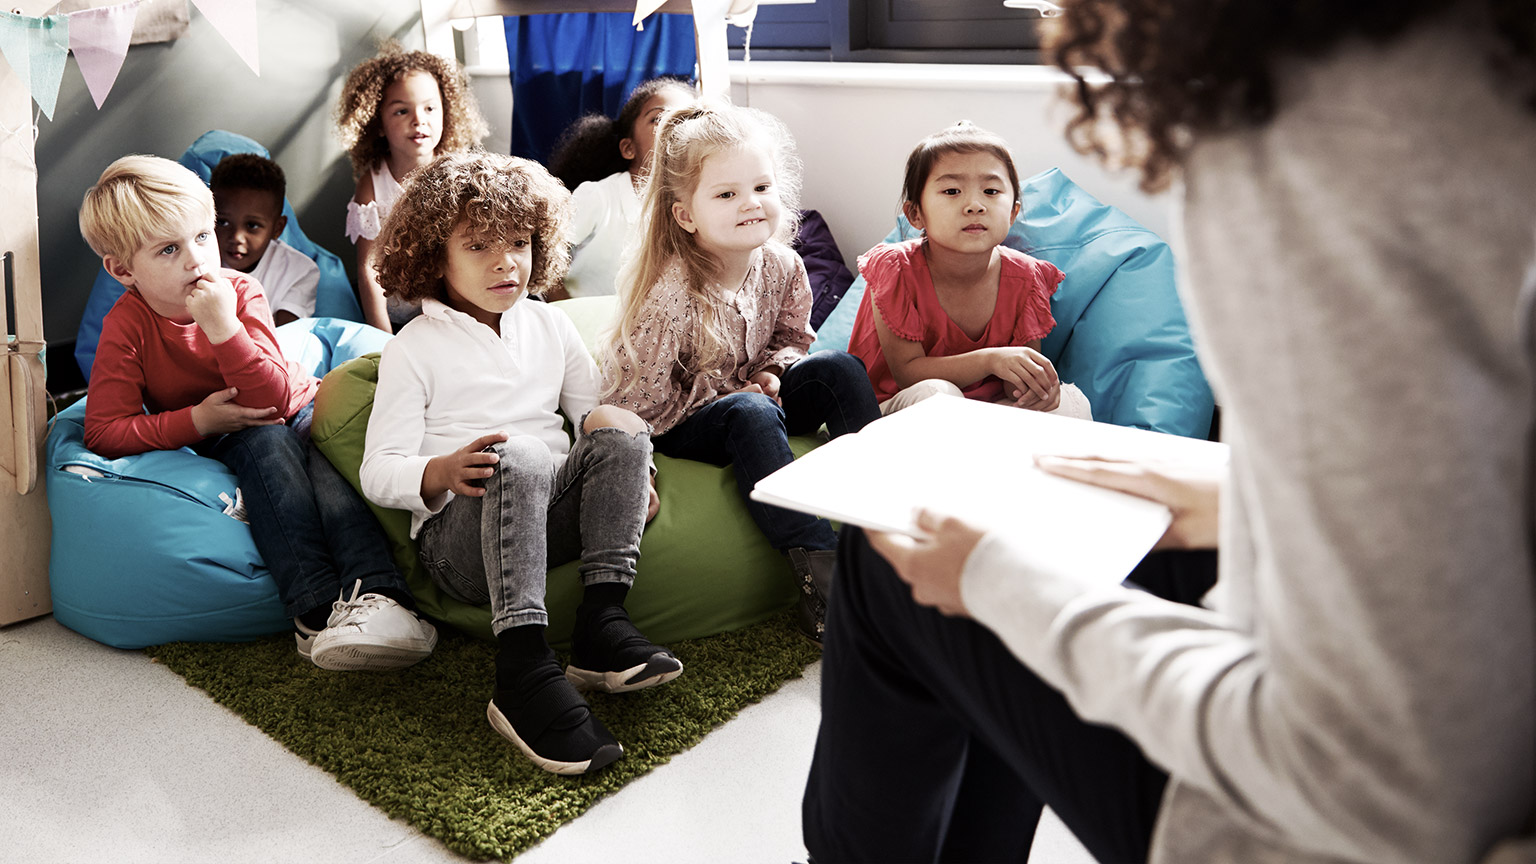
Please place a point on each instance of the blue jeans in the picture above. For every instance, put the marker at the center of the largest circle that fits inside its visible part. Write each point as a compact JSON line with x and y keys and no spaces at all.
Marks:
{"x":751,"y":432}
{"x":310,"y":526}
{"x":534,"y":515}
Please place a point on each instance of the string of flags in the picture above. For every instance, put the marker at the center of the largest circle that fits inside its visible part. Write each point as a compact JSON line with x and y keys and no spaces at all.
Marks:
{"x":37,"y":47}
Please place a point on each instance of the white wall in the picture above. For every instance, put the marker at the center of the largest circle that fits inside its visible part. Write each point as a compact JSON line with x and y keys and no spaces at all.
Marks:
{"x":855,"y":123}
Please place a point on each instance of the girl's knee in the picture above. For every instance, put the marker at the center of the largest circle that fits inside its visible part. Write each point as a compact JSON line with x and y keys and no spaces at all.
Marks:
{"x":614,"y":417}
{"x":929,"y":387}
{"x":755,"y":411}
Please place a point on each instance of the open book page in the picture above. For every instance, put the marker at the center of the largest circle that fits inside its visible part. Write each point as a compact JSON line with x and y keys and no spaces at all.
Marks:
{"x":975,"y":460}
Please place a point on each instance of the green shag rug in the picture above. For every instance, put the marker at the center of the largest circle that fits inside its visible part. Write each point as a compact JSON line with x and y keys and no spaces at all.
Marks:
{"x":416,"y":743}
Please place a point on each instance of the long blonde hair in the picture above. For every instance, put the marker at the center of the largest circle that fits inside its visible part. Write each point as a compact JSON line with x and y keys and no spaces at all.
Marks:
{"x":684,"y":140}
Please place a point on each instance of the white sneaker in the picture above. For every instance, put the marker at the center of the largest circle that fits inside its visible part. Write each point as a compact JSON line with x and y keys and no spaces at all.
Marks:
{"x":371,"y":632}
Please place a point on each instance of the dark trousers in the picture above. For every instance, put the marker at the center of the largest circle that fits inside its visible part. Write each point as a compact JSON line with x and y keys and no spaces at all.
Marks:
{"x":311,"y":527}
{"x":937,"y":744}
{"x":750,"y":432}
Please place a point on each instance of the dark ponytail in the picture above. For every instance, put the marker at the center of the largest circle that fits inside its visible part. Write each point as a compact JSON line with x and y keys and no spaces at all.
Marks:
{"x":588,"y":149}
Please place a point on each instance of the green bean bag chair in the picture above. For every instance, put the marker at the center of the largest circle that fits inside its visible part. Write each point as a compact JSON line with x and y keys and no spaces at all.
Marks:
{"x":704,"y":567}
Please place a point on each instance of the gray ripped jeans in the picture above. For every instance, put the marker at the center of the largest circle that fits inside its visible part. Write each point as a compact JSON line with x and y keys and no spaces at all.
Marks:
{"x":535,"y":516}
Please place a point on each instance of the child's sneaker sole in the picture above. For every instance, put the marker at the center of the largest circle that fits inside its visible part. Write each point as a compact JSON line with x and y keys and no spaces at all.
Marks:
{"x":659,"y":669}
{"x":605,"y":755}
{"x":341,"y":654}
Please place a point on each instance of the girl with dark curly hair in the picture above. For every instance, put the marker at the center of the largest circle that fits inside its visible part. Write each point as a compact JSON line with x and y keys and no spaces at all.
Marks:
{"x":467,"y":434}
{"x":1357,"y":197}
{"x":398,"y":111}
{"x":603,"y":161}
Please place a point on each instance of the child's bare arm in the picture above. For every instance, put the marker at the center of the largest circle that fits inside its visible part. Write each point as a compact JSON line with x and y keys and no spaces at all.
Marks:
{"x":369,"y":293}
{"x":1021,"y":368}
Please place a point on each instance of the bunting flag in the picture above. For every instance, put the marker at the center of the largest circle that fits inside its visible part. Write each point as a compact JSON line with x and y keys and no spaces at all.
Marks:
{"x":99,"y":38}
{"x":644,"y":8}
{"x":36,"y":49}
{"x":236,"y":22}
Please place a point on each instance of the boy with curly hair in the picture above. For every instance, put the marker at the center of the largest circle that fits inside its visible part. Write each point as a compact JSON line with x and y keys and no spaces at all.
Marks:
{"x":194,"y":345}
{"x":466,"y":433}
{"x":398,"y":111}
{"x":248,"y":192}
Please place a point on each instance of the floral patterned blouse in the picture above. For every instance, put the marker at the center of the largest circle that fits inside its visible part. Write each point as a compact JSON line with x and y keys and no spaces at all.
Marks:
{"x":768,"y":319}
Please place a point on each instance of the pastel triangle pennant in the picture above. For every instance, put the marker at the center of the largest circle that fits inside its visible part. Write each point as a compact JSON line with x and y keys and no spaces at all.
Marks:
{"x":36,"y":49}
{"x":644,"y":8}
{"x":99,"y":39}
{"x":236,"y":22}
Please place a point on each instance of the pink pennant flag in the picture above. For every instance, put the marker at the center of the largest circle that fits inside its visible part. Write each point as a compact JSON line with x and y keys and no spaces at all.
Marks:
{"x":99,"y":38}
{"x":236,"y":22}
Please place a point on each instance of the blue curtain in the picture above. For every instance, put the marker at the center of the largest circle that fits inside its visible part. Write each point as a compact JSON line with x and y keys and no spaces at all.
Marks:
{"x":567,"y":65}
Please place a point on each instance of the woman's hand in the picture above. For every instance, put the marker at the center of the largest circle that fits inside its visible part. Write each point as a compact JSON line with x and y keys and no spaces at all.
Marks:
{"x":652,"y":501}
{"x":464,"y":471}
{"x":932,"y":562}
{"x":1192,"y":492}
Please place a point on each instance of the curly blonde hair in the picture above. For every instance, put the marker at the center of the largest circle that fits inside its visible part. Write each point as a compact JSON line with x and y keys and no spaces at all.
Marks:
{"x":360,"y":127}
{"x":685,"y":139}
{"x":497,"y":196}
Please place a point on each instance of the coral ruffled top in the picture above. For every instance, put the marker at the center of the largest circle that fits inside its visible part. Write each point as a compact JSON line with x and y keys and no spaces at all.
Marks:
{"x":901,"y":287}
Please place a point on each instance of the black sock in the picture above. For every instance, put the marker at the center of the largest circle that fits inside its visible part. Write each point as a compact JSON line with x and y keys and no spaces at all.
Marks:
{"x":600,"y":595}
{"x":401,"y":595}
{"x":520,"y":649}
{"x":315,"y":618}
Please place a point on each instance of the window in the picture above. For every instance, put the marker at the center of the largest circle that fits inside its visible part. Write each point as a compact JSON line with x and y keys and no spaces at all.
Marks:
{"x":895,"y":31}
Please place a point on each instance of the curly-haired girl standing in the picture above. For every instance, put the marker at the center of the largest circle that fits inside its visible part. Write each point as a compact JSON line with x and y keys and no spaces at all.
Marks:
{"x":398,"y":111}
{"x":465,"y":435}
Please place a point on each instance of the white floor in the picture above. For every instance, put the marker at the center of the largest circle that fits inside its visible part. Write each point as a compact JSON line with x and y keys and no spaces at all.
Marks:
{"x":110,"y":757}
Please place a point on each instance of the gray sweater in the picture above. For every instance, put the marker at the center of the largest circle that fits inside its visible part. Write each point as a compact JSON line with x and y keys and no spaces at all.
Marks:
{"x":1362,"y":686}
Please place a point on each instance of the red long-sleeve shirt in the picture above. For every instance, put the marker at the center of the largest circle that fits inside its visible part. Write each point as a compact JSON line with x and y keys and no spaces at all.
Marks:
{"x":146,"y":361}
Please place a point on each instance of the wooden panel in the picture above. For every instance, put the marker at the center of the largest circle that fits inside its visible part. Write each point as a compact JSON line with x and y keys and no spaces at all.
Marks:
{"x":25,"y":529}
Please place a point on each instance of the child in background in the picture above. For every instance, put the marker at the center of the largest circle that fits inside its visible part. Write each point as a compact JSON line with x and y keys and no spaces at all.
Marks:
{"x":955,"y":311}
{"x":398,"y":111}
{"x":711,"y":344}
{"x":248,"y":192}
{"x":605,"y":161}
{"x":193,"y":344}
{"x":465,"y":435}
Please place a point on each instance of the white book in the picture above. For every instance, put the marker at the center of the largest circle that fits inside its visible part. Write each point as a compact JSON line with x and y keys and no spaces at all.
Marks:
{"x":975,"y":460}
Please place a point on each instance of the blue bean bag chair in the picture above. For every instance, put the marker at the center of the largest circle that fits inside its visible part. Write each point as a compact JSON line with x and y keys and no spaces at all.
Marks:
{"x":334,"y":298}
{"x":143,"y":550}
{"x":1121,"y":334}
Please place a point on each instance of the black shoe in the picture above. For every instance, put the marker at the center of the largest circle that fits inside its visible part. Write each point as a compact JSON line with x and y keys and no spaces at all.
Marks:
{"x":609,"y":654}
{"x":551,"y":724}
{"x":813,"y":576}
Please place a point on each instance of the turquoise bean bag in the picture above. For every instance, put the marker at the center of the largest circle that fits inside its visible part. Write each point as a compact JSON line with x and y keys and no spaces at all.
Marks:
{"x":143,"y":552}
{"x":334,"y":298}
{"x":1121,"y":334}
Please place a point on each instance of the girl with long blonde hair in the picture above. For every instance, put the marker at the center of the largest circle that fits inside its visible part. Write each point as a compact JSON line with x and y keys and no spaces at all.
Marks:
{"x":710,"y":346}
